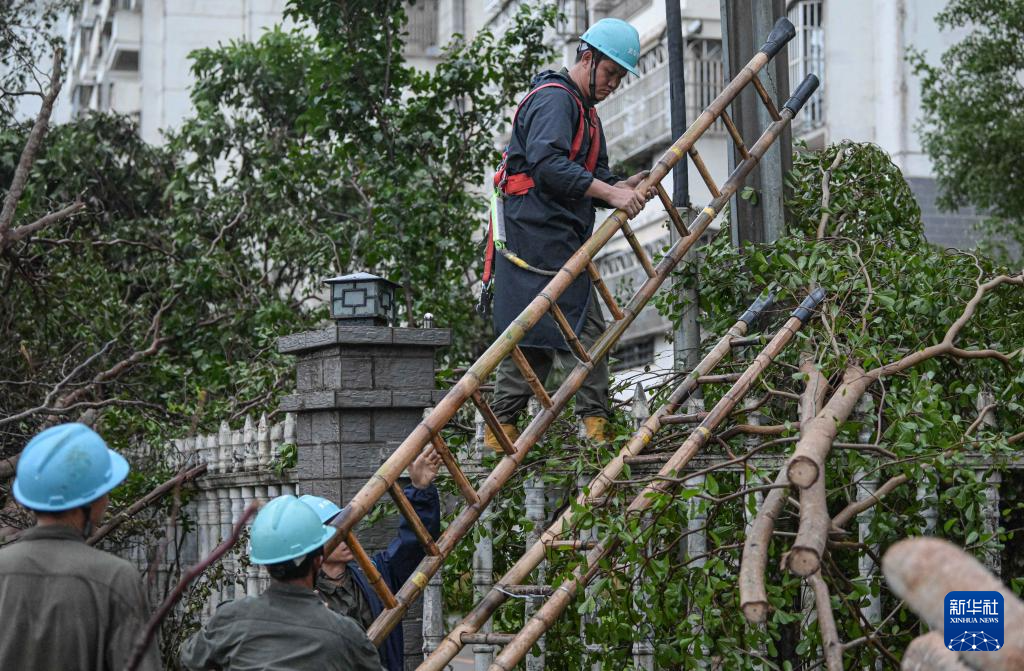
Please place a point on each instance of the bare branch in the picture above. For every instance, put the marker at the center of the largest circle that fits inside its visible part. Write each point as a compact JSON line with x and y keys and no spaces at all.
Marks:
{"x":857,"y":507}
{"x":165,"y":607}
{"x":184,"y":475}
{"x":826,"y":623}
{"x":28,"y":154}
{"x":22,"y":232}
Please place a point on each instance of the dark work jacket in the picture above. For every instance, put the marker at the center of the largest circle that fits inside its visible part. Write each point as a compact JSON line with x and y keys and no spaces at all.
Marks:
{"x":396,"y":564}
{"x":552,"y":220}
{"x":66,"y":605}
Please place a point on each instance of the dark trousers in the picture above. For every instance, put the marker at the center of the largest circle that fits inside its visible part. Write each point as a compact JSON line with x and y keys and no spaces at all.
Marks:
{"x":512,"y":392}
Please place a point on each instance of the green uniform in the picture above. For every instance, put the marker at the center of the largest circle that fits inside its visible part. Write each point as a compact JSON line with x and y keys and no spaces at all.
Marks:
{"x":344,"y":596}
{"x":67,"y":606}
{"x":286,"y":628}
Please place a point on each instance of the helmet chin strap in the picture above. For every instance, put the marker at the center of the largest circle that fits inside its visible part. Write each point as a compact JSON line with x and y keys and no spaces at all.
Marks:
{"x":595,"y":56}
{"x":87,"y":528}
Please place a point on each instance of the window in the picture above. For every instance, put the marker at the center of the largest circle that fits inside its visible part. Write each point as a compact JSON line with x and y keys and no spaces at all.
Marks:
{"x":807,"y":56}
{"x":633,"y":354}
{"x":705,"y":78}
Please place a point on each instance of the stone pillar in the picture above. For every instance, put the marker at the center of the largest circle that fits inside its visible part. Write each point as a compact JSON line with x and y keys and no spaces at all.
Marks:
{"x":360,"y":390}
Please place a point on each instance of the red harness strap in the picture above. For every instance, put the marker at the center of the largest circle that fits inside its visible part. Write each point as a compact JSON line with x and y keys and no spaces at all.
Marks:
{"x":516,"y":184}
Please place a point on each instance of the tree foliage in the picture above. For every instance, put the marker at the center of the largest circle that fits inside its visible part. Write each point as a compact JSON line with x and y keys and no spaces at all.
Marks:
{"x":973,"y":104}
{"x":312,"y":152}
{"x":890,"y":294}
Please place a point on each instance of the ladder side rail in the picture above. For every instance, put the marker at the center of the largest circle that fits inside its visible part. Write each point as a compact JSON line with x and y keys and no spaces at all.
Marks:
{"x":564,"y":594}
{"x":482,"y":611}
{"x":364,"y":500}
{"x":504,"y":470}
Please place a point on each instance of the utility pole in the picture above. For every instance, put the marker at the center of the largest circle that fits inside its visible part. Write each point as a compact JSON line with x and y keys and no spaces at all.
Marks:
{"x":686,"y":341}
{"x":745,"y":24}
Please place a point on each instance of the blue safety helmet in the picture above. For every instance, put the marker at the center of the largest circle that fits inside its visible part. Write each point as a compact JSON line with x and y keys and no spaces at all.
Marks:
{"x":324,"y":508}
{"x":66,"y":466}
{"x":286,"y":529}
{"x":617,"y":40}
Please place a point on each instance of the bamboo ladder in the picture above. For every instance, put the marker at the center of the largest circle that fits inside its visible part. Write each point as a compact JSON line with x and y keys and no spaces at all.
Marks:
{"x":558,"y":598}
{"x":468,"y":387}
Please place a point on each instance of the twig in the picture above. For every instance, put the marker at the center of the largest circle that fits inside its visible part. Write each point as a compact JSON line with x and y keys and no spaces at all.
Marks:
{"x":167,"y":604}
{"x":857,"y":507}
{"x":184,"y":475}
{"x":826,"y":192}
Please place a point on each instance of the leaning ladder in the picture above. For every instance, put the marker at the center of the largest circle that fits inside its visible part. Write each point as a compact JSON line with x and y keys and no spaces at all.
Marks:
{"x":384,"y":481}
{"x":557,"y":599}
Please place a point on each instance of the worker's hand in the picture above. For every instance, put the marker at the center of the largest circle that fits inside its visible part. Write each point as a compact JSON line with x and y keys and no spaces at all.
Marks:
{"x":625,"y":198}
{"x":424,"y":469}
{"x":635,"y":180}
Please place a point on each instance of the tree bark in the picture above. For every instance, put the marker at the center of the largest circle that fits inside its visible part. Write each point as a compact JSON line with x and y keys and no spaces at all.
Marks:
{"x":929,"y":653}
{"x":921,"y":571}
{"x":28,"y":153}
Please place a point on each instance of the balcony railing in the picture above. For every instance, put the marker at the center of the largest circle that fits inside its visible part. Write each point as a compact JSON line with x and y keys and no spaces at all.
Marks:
{"x":422,"y":27}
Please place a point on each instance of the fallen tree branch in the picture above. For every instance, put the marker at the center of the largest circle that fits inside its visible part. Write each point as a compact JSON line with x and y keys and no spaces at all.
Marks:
{"x":181,"y":477}
{"x":804,"y":558}
{"x":149,"y":632}
{"x":826,"y":623}
{"x":923,"y":570}
{"x":816,"y":442}
{"x":857,"y":507}
{"x":929,"y":653}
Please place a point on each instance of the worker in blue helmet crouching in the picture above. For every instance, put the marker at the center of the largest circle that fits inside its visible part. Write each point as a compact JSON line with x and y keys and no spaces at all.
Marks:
{"x":67,"y":605}
{"x":287,"y":626}
{"x":342,"y":584}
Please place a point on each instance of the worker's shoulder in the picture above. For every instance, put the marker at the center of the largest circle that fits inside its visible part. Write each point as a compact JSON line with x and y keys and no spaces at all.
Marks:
{"x":551,"y":89}
{"x":67,"y":558}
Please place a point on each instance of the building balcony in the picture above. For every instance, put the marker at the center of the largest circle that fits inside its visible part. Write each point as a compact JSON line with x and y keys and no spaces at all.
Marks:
{"x":121,"y":48}
{"x":422,"y":29}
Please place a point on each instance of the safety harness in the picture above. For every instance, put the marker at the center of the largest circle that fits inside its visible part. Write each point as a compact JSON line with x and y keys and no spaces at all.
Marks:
{"x":518,"y":184}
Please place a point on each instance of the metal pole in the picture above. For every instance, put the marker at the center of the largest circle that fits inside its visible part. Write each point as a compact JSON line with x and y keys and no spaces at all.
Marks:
{"x":686,"y":340}
{"x":758,"y":219}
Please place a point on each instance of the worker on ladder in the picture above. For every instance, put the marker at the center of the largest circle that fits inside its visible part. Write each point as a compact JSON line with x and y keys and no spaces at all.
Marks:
{"x":553,"y":176}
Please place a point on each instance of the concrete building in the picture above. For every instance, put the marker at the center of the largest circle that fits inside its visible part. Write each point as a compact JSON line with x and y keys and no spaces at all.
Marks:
{"x":131,"y":56}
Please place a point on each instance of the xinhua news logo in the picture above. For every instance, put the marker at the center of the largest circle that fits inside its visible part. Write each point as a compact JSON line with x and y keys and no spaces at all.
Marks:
{"x":974,"y":621}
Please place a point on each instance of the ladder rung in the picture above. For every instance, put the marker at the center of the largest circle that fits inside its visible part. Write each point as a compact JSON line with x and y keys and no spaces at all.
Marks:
{"x":766,"y":99}
{"x":638,"y":249}
{"x":531,"y":377}
{"x":727,"y":378}
{"x":648,"y":458}
{"x":568,"y":333}
{"x":409,"y":513}
{"x":487,"y":639}
{"x":461,"y":481}
{"x":572,"y":545}
{"x":673,"y":213}
{"x":684,"y":419}
{"x":698,"y":162}
{"x":527,"y":590}
{"x":745,"y":342}
{"x":494,"y":424}
{"x":737,"y":139}
{"x":602,"y":289}
{"x":371,"y":572}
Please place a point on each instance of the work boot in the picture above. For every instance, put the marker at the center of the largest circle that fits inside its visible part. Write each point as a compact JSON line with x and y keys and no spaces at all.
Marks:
{"x":596,"y":429}
{"x":491,"y":441}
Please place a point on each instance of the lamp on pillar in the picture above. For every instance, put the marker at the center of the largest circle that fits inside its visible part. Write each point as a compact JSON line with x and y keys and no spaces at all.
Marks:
{"x":363,"y":299}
